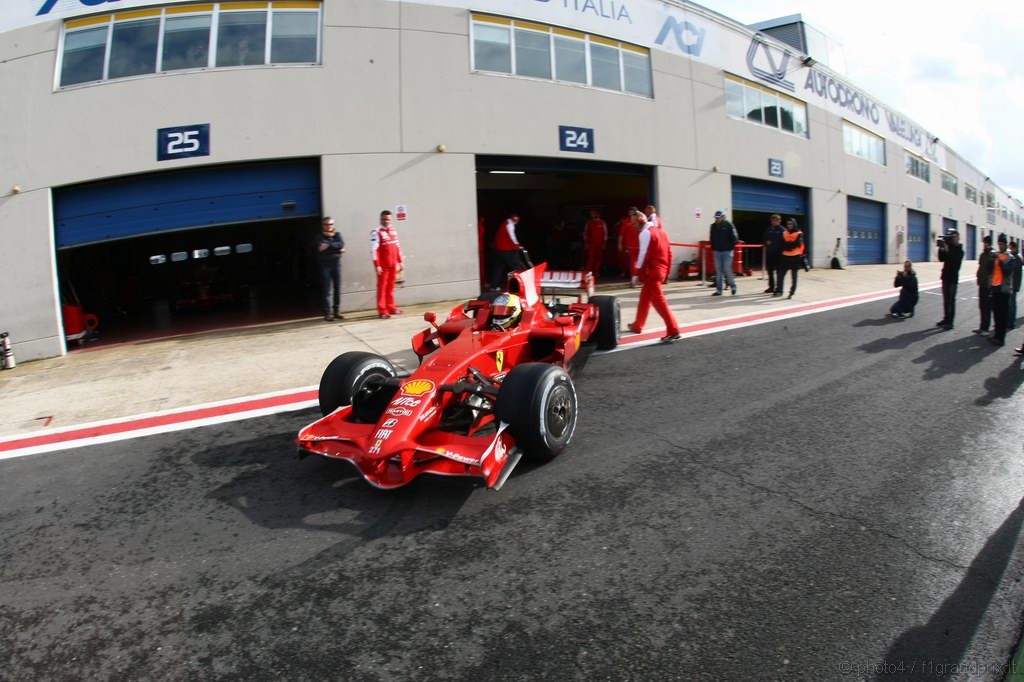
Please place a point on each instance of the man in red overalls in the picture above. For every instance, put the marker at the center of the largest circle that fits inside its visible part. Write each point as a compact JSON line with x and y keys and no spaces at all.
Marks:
{"x":629,"y":243}
{"x":653,"y":262}
{"x":387,"y":258}
{"x":595,"y":236}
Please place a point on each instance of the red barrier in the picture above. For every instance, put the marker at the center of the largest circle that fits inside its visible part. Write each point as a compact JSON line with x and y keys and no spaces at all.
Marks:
{"x":706,"y":259}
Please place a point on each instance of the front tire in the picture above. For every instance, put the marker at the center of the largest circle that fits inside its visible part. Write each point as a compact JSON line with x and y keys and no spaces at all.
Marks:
{"x":347,"y":375}
{"x":609,"y":322}
{"x":538,"y":401}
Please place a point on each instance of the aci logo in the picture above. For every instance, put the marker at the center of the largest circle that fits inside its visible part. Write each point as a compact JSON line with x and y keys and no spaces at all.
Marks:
{"x":776,"y":73}
{"x":48,"y":5}
{"x":689,"y":38}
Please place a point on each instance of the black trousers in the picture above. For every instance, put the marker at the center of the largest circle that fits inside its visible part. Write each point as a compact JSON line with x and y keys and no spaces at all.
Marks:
{"x":772,"y":261}
{"x":1000,"y":308}
{"x":949,"y":301}
{"x":985,"y":307}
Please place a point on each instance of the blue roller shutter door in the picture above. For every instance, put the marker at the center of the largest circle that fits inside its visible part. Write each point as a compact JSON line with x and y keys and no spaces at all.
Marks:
{"x":865,"y":231}
{"x":183,"y":199}
{"x":768,"y":197}
{"x":917,"y":236}
{"x":970,"y":242}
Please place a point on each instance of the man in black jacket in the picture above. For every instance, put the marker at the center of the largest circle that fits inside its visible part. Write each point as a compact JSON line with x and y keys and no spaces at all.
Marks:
{"x":986,"y":264}
{"x":723,"y":240}
{"x":772,"y":250}
{"x":951,"y":254}
{"x":329,"y":247}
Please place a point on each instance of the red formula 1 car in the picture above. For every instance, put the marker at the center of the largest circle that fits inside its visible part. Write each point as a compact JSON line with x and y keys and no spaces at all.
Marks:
{"x":494,"y":384}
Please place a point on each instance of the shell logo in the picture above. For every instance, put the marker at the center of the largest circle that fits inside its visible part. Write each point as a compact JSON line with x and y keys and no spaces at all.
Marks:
{"x":417,"y":387}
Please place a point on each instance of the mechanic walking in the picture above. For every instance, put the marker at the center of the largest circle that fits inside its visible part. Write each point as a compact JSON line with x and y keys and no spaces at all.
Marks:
{"x":329,"y":247}
{"x":595,"y":237}
{"x":772,"y":250}
{"x":387,"y":259}
{"x":951,"y":254}
{"x":723,"y":240}
{"x":653,"y":262}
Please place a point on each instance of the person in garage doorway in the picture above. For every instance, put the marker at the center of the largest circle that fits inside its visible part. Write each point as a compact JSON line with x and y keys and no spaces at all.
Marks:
{"x":509,"y":252}
{"x":653,"y":262}
{"x":329,"y":247}
{"x":595,"y":237}
{"x":723,"y":240}
{"x":628,"y":245}
{"x":387,"y":260}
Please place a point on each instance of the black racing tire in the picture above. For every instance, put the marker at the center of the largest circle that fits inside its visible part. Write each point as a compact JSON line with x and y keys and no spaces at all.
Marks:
{"x":609,"y":322}
{"x":538,"y":402}
{"x":347,"y":375}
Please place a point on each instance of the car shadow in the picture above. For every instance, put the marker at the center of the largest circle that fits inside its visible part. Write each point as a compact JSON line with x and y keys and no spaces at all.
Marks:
{"x":273,"y":489}
{"x":923,"y":652}
{"x":954,"y":357}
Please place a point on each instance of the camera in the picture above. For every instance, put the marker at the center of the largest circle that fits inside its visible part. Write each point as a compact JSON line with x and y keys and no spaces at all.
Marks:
{"x":942,"y":240}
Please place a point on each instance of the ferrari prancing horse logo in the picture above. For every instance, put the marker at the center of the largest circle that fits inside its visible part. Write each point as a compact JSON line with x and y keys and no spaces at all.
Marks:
{"x":499,"y":359}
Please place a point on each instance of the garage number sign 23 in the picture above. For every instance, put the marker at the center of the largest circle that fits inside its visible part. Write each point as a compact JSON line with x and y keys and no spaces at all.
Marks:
{"x":573,"y":139}
{"x":182,"y":142}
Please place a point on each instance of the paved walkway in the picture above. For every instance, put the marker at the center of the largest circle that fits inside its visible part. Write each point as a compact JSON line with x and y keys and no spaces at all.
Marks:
{"x":145,"y":377}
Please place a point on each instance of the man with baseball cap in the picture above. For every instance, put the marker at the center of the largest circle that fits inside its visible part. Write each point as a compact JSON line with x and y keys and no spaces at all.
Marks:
{"x":723,"y":240}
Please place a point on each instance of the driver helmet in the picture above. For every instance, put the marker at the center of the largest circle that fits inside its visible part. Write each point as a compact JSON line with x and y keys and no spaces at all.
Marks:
{"x":506,"y":310}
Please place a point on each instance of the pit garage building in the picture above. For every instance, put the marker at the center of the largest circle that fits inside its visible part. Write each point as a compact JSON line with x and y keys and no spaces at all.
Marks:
{"x":165,"y":165}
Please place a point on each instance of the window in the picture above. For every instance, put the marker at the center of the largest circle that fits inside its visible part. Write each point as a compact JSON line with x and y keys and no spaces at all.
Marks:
{"x":241,"y":38}
{"x":949,"y":183}
{"x":755,"y":103}
{"x":534,"y":50}
{"x":533,"y":53}
{"x":570,"y":58}
{"x":187,"y":36}
{"x":970,"y":194}
{"x":604,"y":64}
{"x":83,"y":55}
{"x":133,"y":46}
{"x":294,"y":38}
{"x":918,"y":167}
{"x":864,"y":144}
{"x":186,"y":42}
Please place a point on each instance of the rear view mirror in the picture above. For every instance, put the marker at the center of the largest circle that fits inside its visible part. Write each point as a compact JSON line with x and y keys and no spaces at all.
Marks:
{"x":430,"y":317}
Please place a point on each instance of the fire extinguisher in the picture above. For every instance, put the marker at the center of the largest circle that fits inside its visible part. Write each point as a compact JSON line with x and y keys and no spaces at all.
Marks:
{"x":5,"y":349}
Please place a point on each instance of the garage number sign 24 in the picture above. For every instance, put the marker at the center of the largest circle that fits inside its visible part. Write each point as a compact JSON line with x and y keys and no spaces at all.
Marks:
{"x":182,"y":142}
{"x":573,"y":139}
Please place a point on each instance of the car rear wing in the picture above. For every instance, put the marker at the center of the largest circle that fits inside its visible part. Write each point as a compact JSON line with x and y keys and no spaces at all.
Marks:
{"x":579,"y":282}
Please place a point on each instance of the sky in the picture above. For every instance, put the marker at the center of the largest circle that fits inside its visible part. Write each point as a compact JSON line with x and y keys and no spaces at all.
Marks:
{"x":956,"y":69}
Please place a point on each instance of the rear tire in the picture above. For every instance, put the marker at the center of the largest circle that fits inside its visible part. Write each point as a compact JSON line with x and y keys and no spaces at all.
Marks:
{"x":609,"y":322}
{"x":538,"y":401}
{"x":347,"y":375}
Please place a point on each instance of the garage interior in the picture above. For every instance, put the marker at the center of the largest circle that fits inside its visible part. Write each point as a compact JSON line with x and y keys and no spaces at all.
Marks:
{"x":189,"y":250}
{"x":553,"y":198}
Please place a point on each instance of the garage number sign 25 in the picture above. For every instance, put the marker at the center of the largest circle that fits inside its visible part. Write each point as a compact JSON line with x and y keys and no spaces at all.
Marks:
{"x":182,"y":142}
{"x":572,"y":139}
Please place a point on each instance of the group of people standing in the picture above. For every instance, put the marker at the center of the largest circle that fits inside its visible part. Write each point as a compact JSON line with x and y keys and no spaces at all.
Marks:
{"x":386,"y":253}
{"x":785,"y":251}
{"x":998,"y":279}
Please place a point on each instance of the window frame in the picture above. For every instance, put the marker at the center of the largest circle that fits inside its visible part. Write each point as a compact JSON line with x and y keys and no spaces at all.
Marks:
{"x":631,"y":69}
{"x":754,"y":97}
{"x":112,"y":21}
